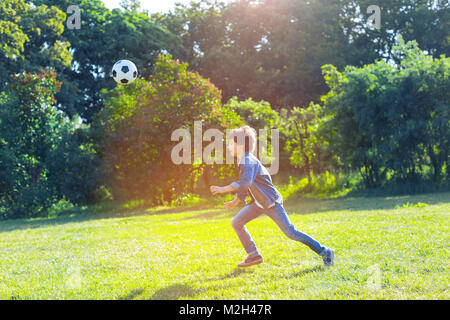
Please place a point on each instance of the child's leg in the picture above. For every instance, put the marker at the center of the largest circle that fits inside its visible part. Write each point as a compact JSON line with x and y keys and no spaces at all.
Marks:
{"x":278,"y":214}
{"x":248,"y":213}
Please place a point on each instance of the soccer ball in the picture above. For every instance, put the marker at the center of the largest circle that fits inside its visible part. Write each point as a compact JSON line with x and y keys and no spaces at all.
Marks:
{"x":124,"y":71}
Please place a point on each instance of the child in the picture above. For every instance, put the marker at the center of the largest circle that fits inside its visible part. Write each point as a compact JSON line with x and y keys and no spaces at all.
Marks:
{"x":256,"y":182}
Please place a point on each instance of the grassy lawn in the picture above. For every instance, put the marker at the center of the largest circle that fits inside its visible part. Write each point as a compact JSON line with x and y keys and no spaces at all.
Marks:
{"x":386,"y":248}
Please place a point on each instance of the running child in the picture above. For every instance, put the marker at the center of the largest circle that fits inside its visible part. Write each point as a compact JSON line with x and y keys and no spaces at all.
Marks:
{"x":255,"y":181}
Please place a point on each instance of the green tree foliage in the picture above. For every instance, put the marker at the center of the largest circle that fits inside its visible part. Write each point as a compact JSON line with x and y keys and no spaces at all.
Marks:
{"x":307,"y":147}
{"x":135,"y":128}
{"x":260,"y":115}
{"x":425,"y":21}
{"x":33,"y":35}
{"x":273,"y":50}
{"x":219,"y":42}
{"x":104,"y":38}
{"x":42,"y":156}
{"x":30,"y":39}
{"x":391,"y":122}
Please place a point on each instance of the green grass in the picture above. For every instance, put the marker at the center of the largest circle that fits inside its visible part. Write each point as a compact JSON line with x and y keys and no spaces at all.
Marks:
{"x":386,"y":248}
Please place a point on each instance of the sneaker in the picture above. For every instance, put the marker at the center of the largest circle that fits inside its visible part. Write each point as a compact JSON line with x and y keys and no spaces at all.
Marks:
{"x":250,"y":261}
{"x":328,"y":257}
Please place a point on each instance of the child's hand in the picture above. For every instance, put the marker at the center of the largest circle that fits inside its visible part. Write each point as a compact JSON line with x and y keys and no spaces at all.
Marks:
{"x":216,"y":190}
{"x":231,"y":204}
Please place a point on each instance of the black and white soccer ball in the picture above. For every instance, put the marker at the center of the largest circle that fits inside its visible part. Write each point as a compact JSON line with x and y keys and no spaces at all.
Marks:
{"x":124,"y":71}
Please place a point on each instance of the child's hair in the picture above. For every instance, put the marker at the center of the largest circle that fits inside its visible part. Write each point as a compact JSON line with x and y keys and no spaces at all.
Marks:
{"x":247,"y":135}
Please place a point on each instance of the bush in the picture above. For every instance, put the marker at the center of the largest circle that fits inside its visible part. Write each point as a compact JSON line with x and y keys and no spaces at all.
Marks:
{"x":260,"y":115}
{"x":42,"y":159}
{"x":391,"y":123}
{"x":326,"y":184}
{"x":73,"y":164}
{"x":133,"y":132}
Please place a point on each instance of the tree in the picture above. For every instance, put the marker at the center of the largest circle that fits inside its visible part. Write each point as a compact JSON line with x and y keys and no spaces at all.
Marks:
{"x":33,"y":35}
{"x":134,"y":131}
{"x":30,"y":38}
{"x":307,"y":146}
{"x":391,"y":122}
{"x":42,"y":157}
{"x":260,"y":115}
{"x":274,"y":50}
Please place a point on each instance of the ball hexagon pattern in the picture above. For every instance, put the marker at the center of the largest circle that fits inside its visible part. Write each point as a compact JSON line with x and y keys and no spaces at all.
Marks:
{"x":124,"y":71}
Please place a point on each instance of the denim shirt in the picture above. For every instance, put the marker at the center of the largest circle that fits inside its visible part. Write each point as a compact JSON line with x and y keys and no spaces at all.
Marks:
{"x":255,"y":178}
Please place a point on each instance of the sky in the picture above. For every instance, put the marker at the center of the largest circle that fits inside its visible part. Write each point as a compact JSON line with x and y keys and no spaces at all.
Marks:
{"x":150,"y":5}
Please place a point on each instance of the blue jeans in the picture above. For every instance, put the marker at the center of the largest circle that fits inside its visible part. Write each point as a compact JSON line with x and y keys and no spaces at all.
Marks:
{"x":277,"y":214}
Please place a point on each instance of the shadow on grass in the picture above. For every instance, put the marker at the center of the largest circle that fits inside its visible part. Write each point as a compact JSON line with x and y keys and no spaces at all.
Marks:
{"x":236,"y":273}
{"x":174,"y":292}
{"x":133,"y":294}
{"x":99,"y":212}
{"x":303,"y":272}
{"x":151,"y":212}
{"x":233,"y":274}
{"x":221,"y":213}
{"x":305,"y":205}
{"x":179,"y":290}
{"x":296,"y":204}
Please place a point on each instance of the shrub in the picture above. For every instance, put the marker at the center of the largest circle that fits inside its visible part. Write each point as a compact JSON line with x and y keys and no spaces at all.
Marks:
{"x":134,"y":131}
{"x":391,"y":122}
{"x":39,"y":149}
{"x":260,"y":115}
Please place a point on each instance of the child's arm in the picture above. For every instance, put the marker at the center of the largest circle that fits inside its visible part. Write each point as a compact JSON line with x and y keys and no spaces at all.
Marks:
{"x":240,"y":196}
{"x":218,"y":190}
{"x":248,"y":176}
{"x":231,"y":204}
